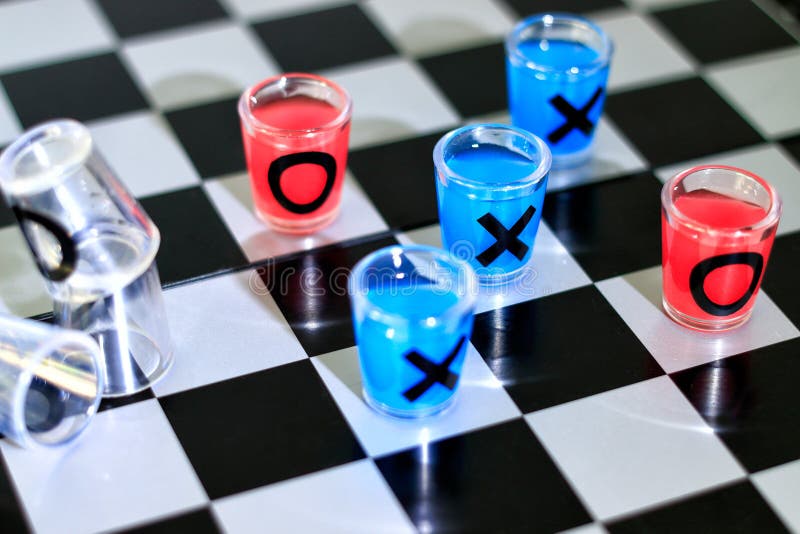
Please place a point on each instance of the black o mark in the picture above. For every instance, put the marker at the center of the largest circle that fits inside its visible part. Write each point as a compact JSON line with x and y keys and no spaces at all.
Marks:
{"x":700,"y":271}
{"x":69,"y":251}
{"x":283,"y":163}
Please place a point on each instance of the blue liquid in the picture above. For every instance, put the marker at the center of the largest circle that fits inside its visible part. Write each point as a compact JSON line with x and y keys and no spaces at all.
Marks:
{"x":383,"y":347}
{"x":459,"y":214}
{"x":530,"y":92}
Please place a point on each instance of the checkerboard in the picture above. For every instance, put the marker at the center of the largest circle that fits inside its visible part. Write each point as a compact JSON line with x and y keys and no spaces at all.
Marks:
{"x":582,"y":406}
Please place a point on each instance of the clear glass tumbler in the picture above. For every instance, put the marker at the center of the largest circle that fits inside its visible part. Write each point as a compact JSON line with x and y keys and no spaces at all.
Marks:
{"x":718,"y":225}
{"x":412,"y":314}
{"x":296,"y":129}
{"x":95,"y":247}
{"x":51,"y":382}
{"x":491,"y":181}
{"x":557,"y":68}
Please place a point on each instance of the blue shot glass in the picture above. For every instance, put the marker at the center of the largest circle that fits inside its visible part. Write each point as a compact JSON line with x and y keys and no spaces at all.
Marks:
{"x":490,"y":182}
{"x":412,"y":314}
{"x":557,"y":68}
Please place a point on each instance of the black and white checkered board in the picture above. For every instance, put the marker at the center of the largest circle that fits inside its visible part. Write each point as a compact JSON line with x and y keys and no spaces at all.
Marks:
{"x":581,"y":404}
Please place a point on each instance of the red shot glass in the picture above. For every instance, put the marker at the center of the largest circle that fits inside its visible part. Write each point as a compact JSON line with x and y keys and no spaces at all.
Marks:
{"x":295,"y":129}
{"x":718,"y":225}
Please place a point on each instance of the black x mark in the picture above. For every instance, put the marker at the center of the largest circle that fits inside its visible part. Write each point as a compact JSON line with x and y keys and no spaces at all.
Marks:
{"x":434,"y":372}
{"x":576,"y":118}
{"x":507,"y":239}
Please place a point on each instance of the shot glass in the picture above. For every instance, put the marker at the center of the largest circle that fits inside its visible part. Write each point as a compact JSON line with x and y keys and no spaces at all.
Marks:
{"x":412,"y":313}
{"x":95,"y":247}
{"x":557,"y":67}
{"x":490,"y":182}
{"x":295,"y":129}
{"x":51,"y":382}
{"x":718,"y":225}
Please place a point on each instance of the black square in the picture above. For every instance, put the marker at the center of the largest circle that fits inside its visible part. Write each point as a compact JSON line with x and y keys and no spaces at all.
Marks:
{"x":498,"y":479}
{"x":533,"y":349}
{"x":323,"y":39}
{"x":529,"y":7}
{"x":261,"y":428}
{"x":473,"y":80}
{"x":133,"y":18}
{"x":82,"y":89}
{"x":194,"y":240}
{"x":311,"y":291}
{"x":678,"y":121}
{"x":610,"y":228}
{"x":197,"y":522}
{"x":12,"y":517}
{"x":400,"y":181}
{"x":781,"y":275}
{"x":724,"y":29}
{"x":736,"y":508}
{"x":751,"y":400}
{"x":6,"y":215}
{"x":211,"y":136}
{"x":109,"y":403}
{"x":792,"y":144}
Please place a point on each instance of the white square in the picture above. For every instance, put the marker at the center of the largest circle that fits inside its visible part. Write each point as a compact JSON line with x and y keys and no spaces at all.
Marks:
{"x":351,"y":498}
{"x":278,"y":8}
{"x":22,"y":288}
{"x":234,"y":201}
{"x":637,"y":299}
{"x":551,"y":270}
{"x":198,"y":65}
{"x":641,"y":53}
{"x":763,"y":89}
{"x":780,"y":486}
{"x":144,"y":153}
{"x":634,"y":447}
{"x":422,"y":27}
{"x":768,"y":161}
{"x":258,"y":339}
{"x":9,"y":124}
{"x":612,"y":156}
{"x":128,"y":467}
{"x":392,"y":99}
{"x":481,"y":401}
{"x":44,"y":31}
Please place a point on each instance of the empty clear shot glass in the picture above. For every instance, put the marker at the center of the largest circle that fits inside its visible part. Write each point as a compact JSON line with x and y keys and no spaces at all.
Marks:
{"x":412,"y":313}
{"x":95,"y":246}
{"x":718,"y":226}
{"x":51,"y":382}
{"x":490,"y":182}
{"x":557,"y":67}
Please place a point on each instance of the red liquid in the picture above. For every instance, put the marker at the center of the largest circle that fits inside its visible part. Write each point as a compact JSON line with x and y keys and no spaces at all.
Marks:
{"x":683,"y":248}
{"x":303,"y":183}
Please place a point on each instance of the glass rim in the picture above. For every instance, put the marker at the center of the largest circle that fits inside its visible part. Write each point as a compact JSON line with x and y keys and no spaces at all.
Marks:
{"x":532,"y":179}
{"x":245,"y":105}
{"x":50,"y":129}
{"x":466,"y":300}
{"x":770,"y":218}
{"x":513,"y":40}
{"x":58,"y":338}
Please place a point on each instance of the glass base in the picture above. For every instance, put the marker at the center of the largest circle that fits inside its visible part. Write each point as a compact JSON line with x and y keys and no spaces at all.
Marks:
{"x":704,"y":325}
{"x":298,"y":226}
{"x":408,"y":414}
{"x":573,"y":159}
{"x":498,"y":279}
